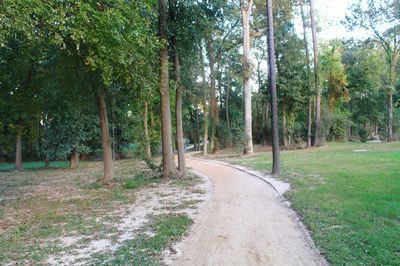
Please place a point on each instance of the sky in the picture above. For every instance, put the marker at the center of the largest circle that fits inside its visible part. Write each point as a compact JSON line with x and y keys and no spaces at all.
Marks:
{"x":330,"y":14}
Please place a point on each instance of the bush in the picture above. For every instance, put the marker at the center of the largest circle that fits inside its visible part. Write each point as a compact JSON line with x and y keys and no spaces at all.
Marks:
{"x":133,"y":183}
{"x":363,"y":134}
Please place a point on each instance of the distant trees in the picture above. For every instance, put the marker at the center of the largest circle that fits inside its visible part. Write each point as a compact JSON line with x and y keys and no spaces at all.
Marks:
{"x":381,"y":18}
{"x":81,"y":79}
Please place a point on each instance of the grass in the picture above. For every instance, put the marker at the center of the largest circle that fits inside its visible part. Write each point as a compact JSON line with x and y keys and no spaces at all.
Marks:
{"x":349,"y":197}
{"x":41,"y":205}
{"x":34,"y":165}
{"x":146,"y":248}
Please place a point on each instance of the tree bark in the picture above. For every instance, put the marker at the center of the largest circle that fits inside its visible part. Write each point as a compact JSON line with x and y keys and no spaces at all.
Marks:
{"x":197,"y":127}
{"x":246,"y":13}
{"x":317,"y":137}
{"x":18,"y":150}
{"x":105,"y":140}
{"x":309,"y":114}
{"x":178,"y":112}
{"x":74,"y":159}
{"x":284,"y":129}
{"x":147,"y":148}
{"x":169,"y":169}
{"x":274,"y":100}
{"x":228,"y":122}
{"x":214,"y":107}
{"x":205,"y":105}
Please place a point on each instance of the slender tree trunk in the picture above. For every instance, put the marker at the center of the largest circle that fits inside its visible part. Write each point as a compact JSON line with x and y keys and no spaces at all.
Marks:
{"x":309,"y":114}
{"x":205,"y":105}
{"x":246,"y":13}
{"x":197,"y":127}
{"x":393,"y":66}
{"x":274,"y":99}
{"x":18,"y":150}
{"x":114,"y":146}
{"x":284,"y":129}
{"x":169,"y":170}
{"x":309,"y":123}
{"x":178,"y":112}
{"x":317,"y":137}
{"x":228,"y":122}
{"x":214,"y":107}
{"x":105,"y":140}
{"x":74,"y":159}
{"x":147,"y":148}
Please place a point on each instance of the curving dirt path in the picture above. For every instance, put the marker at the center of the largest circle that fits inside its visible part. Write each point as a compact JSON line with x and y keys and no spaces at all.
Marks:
{"x":245,"y":223}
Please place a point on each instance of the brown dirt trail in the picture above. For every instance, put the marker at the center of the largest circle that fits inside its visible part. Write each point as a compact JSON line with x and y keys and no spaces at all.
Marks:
{"x":245,"y":223}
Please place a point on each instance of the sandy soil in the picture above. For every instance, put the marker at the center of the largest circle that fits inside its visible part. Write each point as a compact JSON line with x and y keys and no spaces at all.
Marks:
{"x":245,"y":223}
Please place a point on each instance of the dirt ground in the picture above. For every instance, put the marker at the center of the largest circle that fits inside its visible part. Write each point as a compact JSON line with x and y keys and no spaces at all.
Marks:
{"x":244,"y":223}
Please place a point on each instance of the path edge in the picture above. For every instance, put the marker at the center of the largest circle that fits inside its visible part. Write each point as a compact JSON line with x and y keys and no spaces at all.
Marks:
{"x":320,"y":257}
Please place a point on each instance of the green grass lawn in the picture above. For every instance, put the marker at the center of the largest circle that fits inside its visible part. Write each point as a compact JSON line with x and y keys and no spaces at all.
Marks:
{"x":34,"y":165}
{"x":349,"y":197}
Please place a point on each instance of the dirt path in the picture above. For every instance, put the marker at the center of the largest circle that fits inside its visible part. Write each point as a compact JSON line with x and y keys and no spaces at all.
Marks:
{"x":245,"y":223}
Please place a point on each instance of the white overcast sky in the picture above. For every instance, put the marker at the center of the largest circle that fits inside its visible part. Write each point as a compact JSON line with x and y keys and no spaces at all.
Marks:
{"x":330,"y":14}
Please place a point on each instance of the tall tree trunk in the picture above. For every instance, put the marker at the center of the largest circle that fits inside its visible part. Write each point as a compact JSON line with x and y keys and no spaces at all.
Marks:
{"x":309,"y":114}
{"x":274,"y":100}
{"x":205,"y":105}
{"x":74,"y":159}
{"x":169,"y":170}
{"x":228,"y":91}
{"x":147,"y":148}
{"x":214,"y":107}
{"x":284,"y":129}
{"x":317,"y":137}
{"x":245,"y":6}
{"x":18,"y":150}
{"x":197,"y":127}
{"x":393,"y":79}
{"x":105,"y":140}
{"x":178,"y":112}
{"x":114,"y":146}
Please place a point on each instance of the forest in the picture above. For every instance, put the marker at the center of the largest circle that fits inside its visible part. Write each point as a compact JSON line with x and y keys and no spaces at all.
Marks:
{"x":79,"y":78}
{"x":109,"y":80}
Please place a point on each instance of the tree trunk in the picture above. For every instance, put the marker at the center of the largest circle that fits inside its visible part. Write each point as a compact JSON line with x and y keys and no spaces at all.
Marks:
{"x":284,"y":129}
{"x":18,"y":150}
{"x":147,"y":148}
{"x":178,"y":111}
{"x":246,"y":13}
{"x":214,"y":107}
{"x":114,"y":146}
{"x":390,"y":115}
{"x":205,"y":106}
{"x":309,"y":123}
{"x":317,"y":137}
{"x":228,"y":91}
{"x":197,"y":127}
{"x":274,"y":100}
{"x":169,"y":169}
{"x":46,"y":164}
{"x":309,"y":114}
{"x":105,"y":140}
{"x":74,"y":159}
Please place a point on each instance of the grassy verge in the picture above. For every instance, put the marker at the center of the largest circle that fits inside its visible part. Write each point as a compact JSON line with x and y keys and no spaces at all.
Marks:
{"x":34,"y":165}
{"x":38,"y":207}
{"x":349,"y":197}
{"x":146,"y":248}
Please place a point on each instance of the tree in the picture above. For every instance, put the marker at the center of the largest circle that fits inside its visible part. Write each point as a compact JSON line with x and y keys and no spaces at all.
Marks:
{"x":246,"y":7}
{"x":307,"y":61}
{"x":317,"y":136}
{"x":381,"y":19}
{"x":169,"y":170}
{"x":274,"y":100}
